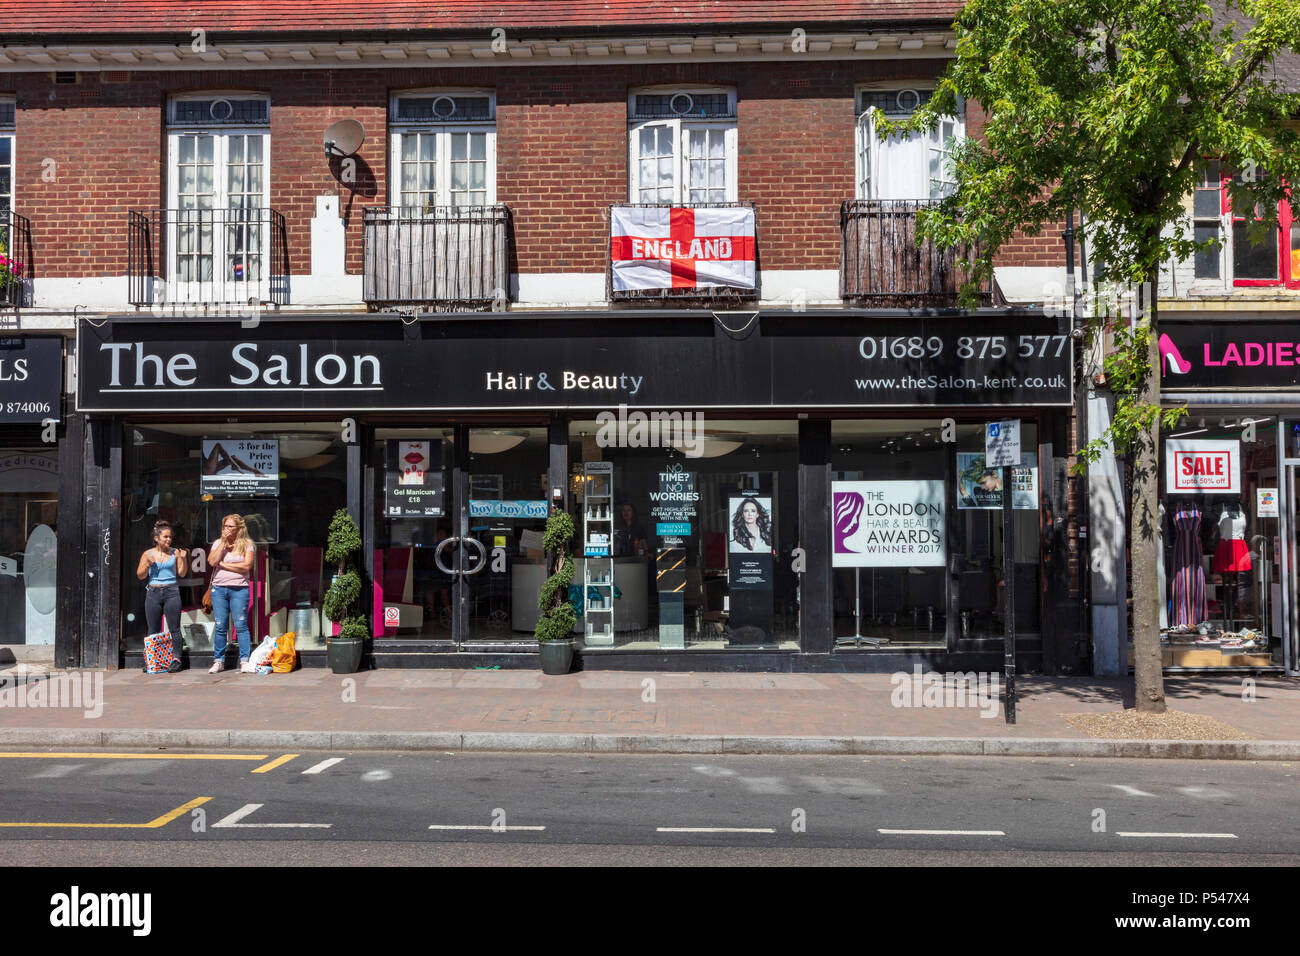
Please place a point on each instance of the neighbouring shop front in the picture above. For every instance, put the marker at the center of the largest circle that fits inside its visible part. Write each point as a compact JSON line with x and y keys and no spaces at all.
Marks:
{"x":31,"y":377}
{"x":805,"y":490}
{"x":1230,"y":494}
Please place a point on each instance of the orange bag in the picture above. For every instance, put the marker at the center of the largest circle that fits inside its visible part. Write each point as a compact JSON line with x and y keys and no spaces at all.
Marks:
{"x":285,"y":656}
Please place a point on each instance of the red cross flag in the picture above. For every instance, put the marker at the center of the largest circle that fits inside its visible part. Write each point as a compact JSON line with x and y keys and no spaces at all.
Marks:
{"x":661,"y":247}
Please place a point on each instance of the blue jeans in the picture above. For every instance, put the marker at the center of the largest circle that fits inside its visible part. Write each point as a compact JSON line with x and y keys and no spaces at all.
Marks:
{"x":228,"y":603}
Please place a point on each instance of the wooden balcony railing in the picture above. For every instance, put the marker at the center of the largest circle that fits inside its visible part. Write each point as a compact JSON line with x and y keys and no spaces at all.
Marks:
{"x":882,"y":264}
{"x":453,"y":258}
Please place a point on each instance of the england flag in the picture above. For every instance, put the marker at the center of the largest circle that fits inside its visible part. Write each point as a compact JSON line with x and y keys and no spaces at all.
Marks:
{"x":662,"y":247}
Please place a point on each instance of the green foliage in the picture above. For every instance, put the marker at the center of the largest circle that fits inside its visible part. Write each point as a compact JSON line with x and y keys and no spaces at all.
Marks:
{"x":1108,"y":107}
{"x":341,"y":597}
{"x":1127,"y":368}
{"x":344,"y":538}
{"x":557,"y":618}
{"x":352,"y":627}
{"x":559,"y":532}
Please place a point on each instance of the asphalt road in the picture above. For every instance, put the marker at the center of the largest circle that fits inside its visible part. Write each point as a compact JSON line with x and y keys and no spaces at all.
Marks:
{"x":404,"y":808}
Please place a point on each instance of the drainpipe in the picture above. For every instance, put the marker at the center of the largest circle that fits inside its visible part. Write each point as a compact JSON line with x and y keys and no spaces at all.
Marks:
{"x":1107,"y":516}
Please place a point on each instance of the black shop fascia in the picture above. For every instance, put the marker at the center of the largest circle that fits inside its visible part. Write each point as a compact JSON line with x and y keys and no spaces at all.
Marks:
{"x":544,"y":362}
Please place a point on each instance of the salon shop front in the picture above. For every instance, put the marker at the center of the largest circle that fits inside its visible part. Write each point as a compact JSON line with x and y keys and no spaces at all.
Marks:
{"x":703,"y":459}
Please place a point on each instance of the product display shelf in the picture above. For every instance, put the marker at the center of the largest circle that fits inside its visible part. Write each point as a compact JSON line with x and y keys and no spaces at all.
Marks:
{"x":598,"y":545}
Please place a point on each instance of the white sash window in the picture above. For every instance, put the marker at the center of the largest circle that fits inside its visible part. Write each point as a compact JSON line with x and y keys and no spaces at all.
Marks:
{"x":217,"y":230}
{"x":444,"y":149}
{"x":915,"y":166}
{"x":682,"y":146}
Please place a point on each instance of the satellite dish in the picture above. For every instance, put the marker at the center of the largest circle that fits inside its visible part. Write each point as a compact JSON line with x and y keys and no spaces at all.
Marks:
{"x":344,"y":138}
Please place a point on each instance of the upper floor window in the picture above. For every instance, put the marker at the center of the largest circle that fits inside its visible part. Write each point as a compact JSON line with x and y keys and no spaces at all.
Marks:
{"x":682,"y":146}
{"x":444,"y":149}
{"x":217,"y":152}
{"x":7,"y":112}
{"x":916,"y":166}
{"x":1273,"y":261}
{"x":218,"y":148}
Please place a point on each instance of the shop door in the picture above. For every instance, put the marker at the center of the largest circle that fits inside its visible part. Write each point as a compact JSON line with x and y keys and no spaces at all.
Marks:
{"x":468,"y":575}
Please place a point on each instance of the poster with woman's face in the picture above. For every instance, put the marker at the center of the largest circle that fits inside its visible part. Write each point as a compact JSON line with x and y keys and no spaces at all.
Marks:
{"x":412,"y":461}
{"x":751,"y":530}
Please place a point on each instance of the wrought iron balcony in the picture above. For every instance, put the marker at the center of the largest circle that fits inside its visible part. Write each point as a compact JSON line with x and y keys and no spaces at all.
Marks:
{"x":454,"y":258}
{"x":206,"y":257}
{"x":15,"y":258}
{"x":706,"y":252}
{"x":881,"y":263}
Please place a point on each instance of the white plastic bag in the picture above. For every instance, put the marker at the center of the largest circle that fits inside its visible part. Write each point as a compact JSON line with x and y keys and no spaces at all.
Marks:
{"x":262,"y":655}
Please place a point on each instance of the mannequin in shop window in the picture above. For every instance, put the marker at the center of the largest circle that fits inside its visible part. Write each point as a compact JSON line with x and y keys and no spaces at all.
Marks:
{"x":1231,"y":555}
{"x":1187,"y":588}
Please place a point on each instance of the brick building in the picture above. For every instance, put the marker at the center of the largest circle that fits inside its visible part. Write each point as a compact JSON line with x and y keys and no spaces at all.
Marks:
{"x":449,"y":267}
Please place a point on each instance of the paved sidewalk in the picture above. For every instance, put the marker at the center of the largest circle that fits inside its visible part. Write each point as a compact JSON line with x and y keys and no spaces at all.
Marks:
{"x":624,"y":711}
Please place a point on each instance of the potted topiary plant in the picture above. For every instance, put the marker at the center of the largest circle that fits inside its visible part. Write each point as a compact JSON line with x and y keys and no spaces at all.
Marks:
{"x":554,"y":631}
{"x":339,"y":604}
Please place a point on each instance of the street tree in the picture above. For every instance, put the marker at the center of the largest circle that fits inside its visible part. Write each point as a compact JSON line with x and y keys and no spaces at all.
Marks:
{"x":1110,"y":107}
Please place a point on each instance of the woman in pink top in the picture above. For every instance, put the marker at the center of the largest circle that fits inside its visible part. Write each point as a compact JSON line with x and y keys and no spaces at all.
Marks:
{"x":231,"y":560}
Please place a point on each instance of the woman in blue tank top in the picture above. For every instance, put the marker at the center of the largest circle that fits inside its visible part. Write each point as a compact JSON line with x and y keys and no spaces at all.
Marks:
{"x":160,"y":567}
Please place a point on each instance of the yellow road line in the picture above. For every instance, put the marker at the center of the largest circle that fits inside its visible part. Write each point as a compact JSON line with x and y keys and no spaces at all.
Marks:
{"x":278,"y":761}
{"x":154,"y":824}
{"x":165,"y":756}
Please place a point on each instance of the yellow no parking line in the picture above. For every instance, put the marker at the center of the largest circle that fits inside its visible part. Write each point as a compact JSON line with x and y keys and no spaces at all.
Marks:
{"x":154,"y":824}
{"x":273,"y":764}
{"x":162,"y":756}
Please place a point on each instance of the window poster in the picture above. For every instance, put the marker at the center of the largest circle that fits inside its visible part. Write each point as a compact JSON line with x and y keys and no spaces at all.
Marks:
{"x":980,"y":486}
{"x":240,"y":467}
{"x":1202,"y":467}
{"x":751,"y":529}
{"x":413,"y":478}
{"x":673,"y":505}
{"x":882,"y":524}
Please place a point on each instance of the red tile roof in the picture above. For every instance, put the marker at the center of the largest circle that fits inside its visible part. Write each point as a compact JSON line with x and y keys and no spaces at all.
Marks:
{"x":138,"y":17}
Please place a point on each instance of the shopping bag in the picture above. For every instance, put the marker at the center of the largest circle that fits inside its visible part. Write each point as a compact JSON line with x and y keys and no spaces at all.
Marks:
{"x":159,"y":655}
{"x":285,"y":656}
{"x":263,"y":652}
{"x":178,"y":648}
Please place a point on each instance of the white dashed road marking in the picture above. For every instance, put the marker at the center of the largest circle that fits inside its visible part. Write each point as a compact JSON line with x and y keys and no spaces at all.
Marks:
{"x":1131,"y":791}
{"x":323,"y":765}
{"x":59,"y":770}
{"x":495,"y":829}
{"x":232,"y":821}
{"x":1202,"y":836}
{"x":941,"y":832}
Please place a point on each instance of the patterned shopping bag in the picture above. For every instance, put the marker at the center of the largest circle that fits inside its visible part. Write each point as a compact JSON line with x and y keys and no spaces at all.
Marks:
{"x":159,"y":654}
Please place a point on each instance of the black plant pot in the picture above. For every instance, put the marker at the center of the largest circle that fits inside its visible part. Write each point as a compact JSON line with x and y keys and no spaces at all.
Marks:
{"x":344,"y":654}
{"x":557,"y":657}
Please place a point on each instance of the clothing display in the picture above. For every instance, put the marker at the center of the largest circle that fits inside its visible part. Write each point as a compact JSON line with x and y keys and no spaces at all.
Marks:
{"x":1187,"y":591}
{"x":1231,"y":556}
{"x":1232,"y":553}
{"x":1164,"y":587}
